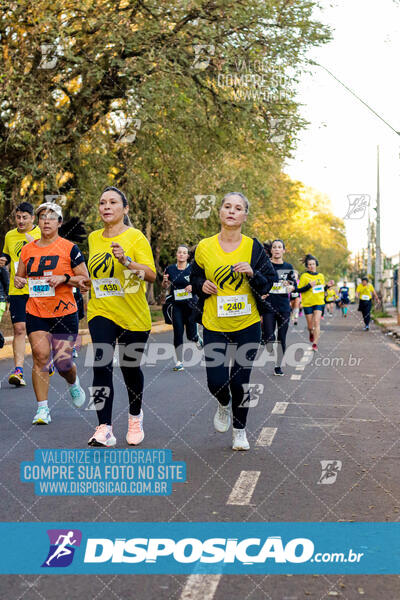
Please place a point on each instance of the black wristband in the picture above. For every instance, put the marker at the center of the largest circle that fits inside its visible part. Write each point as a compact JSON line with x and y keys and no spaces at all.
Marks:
{"x":68,"y":277}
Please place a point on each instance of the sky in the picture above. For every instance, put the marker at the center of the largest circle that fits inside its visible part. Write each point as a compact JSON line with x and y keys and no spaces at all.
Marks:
{"x":336,"y":154}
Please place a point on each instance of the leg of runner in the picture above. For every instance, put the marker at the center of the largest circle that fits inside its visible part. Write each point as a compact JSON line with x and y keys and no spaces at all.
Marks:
{"x":316,"y":327}
{"x":366,"y":312}
{"x":269,"y":323}
{"x":310,"y":326}
{"x":283,"y":325}
{"x":104,"y":334}
{"x":62,"y":345}
{"x":192,"y":329}
{"x":135,"y":342}
{"x":41,"y":349}
{"x":178,"y":325}
{"x":226,"y":384}
{"x":296,"y":310}
{"x":17,"y":375}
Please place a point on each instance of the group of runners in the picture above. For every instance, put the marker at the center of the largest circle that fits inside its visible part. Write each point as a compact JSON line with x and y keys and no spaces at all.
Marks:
{"x":242,"y":292}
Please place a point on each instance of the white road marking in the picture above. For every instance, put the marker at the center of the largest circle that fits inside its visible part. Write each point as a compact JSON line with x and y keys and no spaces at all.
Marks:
{"x":200,"y":586}
{"x":243,"y":489}
{"x":301,"y":368}
{"x":296,"y":377}
{"x":280,"y":408}
{"x":266,"y":436}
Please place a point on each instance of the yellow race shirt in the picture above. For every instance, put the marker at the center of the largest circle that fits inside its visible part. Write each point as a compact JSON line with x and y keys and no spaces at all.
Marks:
{"x":234,"y":307}
{"x":365,"y":291}
{"x":331,"y":295}
{"x":313,"y":296}
{"x":117,"y":293}
{"x":13,"y":243}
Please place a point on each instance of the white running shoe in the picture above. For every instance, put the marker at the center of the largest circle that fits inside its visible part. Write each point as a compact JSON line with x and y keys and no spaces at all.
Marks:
{"x":239,"y":440}
{"x":42,"y":416}
{"x":135,"y":433}
{"x":178,"y":367}
{"x":222,"y":418}
{"x":77,"y":394}
{"x":103,"y":436}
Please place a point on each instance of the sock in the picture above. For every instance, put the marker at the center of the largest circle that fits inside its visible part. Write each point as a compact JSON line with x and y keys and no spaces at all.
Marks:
{"x":42,"y":404}
{"x":295,"y":313}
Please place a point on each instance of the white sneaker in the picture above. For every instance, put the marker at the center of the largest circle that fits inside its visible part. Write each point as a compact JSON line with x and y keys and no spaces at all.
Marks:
{"x":222,"y":418}
{"x":178,"y":367}
{"x":135,"y":433}
{"x":103,"y":436}
{"x":42,"y":416}
{"x":239,"y":440}
{"x":77,"y":394}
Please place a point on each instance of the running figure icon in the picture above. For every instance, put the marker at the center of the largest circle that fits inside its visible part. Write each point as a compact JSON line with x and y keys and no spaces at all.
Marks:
{"x":62,"y":549}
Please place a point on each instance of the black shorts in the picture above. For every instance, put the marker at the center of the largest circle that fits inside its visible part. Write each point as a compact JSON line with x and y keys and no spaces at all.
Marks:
{"x":66,"y":325}
{"x":18,"y":308}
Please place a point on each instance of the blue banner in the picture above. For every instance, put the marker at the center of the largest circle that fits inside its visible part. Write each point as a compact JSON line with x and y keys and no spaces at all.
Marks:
{"x":178,"y":548}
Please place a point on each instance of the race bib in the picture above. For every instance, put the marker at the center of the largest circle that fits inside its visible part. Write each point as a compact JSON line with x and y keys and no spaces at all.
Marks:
{"x":233,"y":306}
{"x":318,"y":289}
{"x":39,"y":288}
{"x":295,"y":294}
{"x":182,"y":295}
{"x":365,"y":297}
{"x":278,"y":288}
{"x":107,"y":286}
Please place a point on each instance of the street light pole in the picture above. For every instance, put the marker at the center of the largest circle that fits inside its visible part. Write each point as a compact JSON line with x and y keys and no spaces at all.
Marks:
{"x":378,"y":258}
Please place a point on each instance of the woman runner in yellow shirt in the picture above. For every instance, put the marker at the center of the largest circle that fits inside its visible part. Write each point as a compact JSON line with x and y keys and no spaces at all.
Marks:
{"x":230,"y":273}
{"x":364,"y":292}
{"x":312,"y":288}
{"x":120,"y":261}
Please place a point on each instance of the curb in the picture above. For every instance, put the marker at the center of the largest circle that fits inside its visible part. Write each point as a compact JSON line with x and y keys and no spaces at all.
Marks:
{"x":7,"y":351}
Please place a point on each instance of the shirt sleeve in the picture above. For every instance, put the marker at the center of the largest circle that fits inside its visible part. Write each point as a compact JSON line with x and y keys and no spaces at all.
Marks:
{"x":76,"y":256}
{"x":143,"y":253}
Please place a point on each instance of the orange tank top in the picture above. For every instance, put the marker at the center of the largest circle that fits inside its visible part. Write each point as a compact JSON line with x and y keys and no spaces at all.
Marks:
{"x":41,"y":263}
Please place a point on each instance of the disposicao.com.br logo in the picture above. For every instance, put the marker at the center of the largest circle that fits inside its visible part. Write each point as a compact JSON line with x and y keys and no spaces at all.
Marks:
{"x":247,"y":551}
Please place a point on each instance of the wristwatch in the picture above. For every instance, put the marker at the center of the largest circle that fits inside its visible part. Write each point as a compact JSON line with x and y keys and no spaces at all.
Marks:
{"x":128,"y":261}
{"x":68,"y":277}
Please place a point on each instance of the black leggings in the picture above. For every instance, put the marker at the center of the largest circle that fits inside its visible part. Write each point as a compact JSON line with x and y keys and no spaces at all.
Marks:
{"x":365,"y":308}
{"x":270,"y":321}
{"x":183,"y":315}
{"x":226,"y":382}
{"x":105,"y":331}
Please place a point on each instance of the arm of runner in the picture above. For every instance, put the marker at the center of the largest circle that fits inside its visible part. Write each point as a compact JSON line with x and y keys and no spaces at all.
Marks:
{"x":119,"y":253}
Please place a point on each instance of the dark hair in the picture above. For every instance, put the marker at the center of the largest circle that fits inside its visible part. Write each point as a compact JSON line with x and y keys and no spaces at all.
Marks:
{"x":182,"y":246}
{"x":25,"y":207}
{"x":364,"y":278}
{"x":268,"y":246}
{"x":111,"y":188}
{"x":309,"y":257}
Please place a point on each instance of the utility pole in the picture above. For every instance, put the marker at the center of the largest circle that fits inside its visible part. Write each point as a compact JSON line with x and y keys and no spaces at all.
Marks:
{"x":369,"y":257}
{"x":378,"y":259}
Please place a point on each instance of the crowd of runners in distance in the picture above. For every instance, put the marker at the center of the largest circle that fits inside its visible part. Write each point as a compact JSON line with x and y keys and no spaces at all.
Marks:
{"x":242,"y":292}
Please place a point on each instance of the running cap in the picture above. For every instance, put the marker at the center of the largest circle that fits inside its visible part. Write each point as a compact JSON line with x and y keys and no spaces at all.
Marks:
{"x":50,"y":206}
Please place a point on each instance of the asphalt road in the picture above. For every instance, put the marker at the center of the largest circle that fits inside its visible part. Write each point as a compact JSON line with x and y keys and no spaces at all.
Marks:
{"x":346,"y":409}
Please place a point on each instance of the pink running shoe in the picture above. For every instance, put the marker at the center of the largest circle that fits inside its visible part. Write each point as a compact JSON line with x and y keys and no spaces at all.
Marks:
{"x":103,"y":436}
{"x":135,"y":433}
